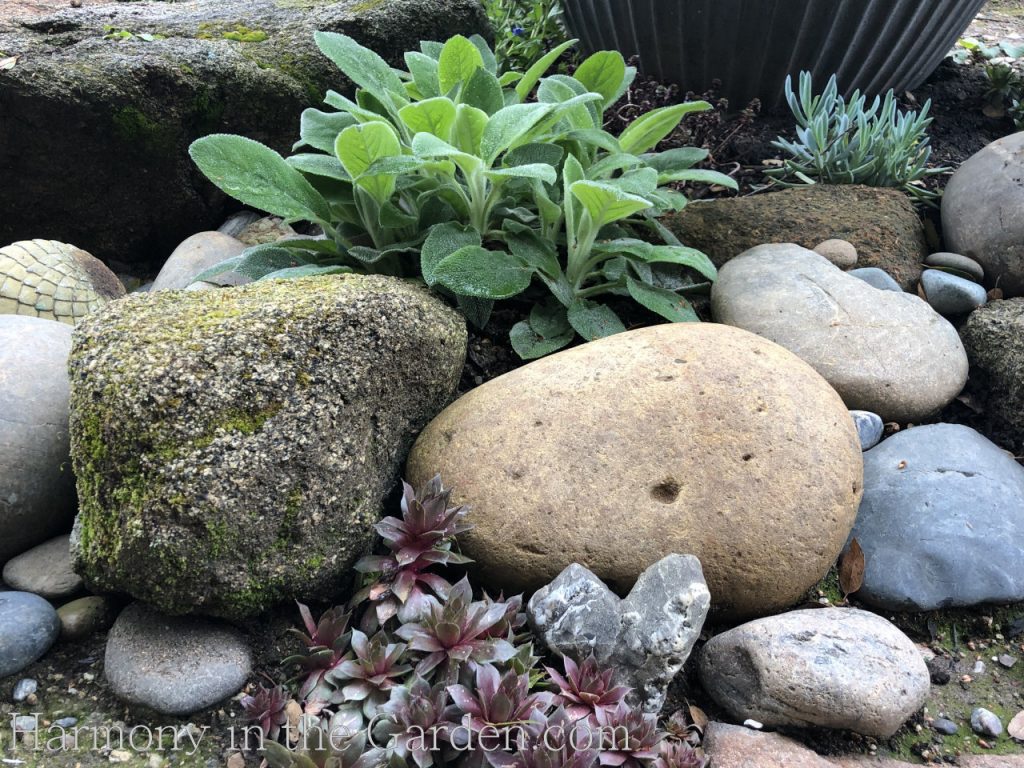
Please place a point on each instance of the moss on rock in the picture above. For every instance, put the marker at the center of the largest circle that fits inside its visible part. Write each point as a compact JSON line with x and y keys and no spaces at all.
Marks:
{"x":232,"y":447}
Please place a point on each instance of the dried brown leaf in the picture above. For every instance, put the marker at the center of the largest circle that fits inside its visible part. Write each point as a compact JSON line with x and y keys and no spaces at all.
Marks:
{"x":851,"y":569}
{"x":698,"y":717}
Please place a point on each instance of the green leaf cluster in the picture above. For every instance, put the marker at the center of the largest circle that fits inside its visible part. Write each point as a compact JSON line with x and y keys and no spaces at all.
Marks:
{"x":849,"y":142}
{"x":485,"y":185}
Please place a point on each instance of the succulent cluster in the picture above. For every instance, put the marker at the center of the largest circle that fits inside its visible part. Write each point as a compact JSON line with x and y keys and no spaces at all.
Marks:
{"x":434,"y":676}
{"x":842,"y":141}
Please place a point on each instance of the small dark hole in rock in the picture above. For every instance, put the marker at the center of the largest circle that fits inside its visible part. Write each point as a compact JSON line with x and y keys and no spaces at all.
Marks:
{"x":666,"y":491}
{"x":748,"y":456}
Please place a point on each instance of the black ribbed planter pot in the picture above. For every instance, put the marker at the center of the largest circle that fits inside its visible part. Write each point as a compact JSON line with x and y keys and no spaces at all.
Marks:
{"x":751,"y":45}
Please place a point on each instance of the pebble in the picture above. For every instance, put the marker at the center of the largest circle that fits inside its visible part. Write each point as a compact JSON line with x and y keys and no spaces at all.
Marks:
{"x":66,"y":722}
{"x":236,"y":223}
{"x":45,"y":570}
{"x":1007,"y":661}
{"x":942,"y":725}
{"x":840,"y":252}
{"x":28,"y":627}
{"x":952,"y":295}
{"x":24,"y":688}
{"x":196,"y":255}
{"x":985,"y":723}
{"x":962,"y":264}
{"x":979,"y":668}
{"x":120,"y":756}
{"x":85,"y":616}
{"x":877,"y":278}
{"x":174,"y":664}
{"x":25,"y":723}
{"x":869,"y":428}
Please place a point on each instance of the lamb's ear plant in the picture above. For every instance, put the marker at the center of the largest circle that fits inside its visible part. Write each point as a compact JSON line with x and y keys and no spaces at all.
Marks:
{"x":484,"y":185}
{"x":849,"y":142}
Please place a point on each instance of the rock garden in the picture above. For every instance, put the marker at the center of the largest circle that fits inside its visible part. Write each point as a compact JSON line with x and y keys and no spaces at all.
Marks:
{"x":525,"y":383}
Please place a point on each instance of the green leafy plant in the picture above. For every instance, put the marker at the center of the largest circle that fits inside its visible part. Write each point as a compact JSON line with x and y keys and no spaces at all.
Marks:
{"x":484,"y":186}
{"x":840,"y":142}
{"x":524,"y":30}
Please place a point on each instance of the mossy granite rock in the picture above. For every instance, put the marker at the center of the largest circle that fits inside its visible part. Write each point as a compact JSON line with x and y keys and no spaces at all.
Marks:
{"x":880,"y":223}
{"x":994,"y":339}
{"x":127,"y":109}
{"x":232,"y":447}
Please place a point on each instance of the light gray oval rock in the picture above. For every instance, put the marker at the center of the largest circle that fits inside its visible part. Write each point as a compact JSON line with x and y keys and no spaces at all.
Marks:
{"x":952,"y":295}
{"x":37,"y":489}
{"x":986,"y":723}
{"x":28,"y":627}
{"x":965,"y":266}
{"x":45,"y":570}
{"x":249,"y":435}
{"x":840,"y":252}
{"x":942,"y":521}
{"x":197,"y":254}
{"x":981,"y":212}
{"x":876,"y":278}
{"x":869,"y":428}
{"x":645,"y":638}
{"x":174,"y":665}
{"x":884,"y":352}
{"x":85,"y":616}
{"x":830,"y":667}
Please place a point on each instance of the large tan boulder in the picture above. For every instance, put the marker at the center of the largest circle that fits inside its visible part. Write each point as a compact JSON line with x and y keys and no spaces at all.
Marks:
{"x":687,"y":438}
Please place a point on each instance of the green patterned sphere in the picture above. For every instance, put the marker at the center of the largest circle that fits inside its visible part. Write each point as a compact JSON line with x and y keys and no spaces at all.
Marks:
{"x":54,"y":281}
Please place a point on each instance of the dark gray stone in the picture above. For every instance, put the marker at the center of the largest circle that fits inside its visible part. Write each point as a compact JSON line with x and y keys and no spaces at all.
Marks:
{"x":646,"y":638}
{"x":952,"y":295}
{"x":876,"y":278}
{"x":981,"y":212}
{"x":884,"y":352}
{"x":869,"y":428}
{"x":964,"y":266}
{"x":986,"y":723}
{"x":249,"y":434}
{"x":132,"y":193}
{"x":944,"y":726}
{"x":941,"y":522}
{"x":829,"y":667}
{"x":45,"y":570}
{"x":28,"y":627}
{"x":37,"y":489}
{"x":174,"y":665}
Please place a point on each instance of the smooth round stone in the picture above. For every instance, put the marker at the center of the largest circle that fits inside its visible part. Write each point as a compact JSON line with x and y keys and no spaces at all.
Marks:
{"x":869,"y":428}
{"x":942,"y":521}
{"x":45,"y":570}
{"x":656,"y":441}
{"x":831,"y":668}
{"x":24,"y":688}
{"x":175,"y":665}
{"x":885,"y":352}
{"x":84,"y":617}
{"x":981,"y":212}
{"x":986,"y":723}
{"x":876,"y":278}
{"x":944,"y":726}
{"x":194,"y":256}
{"x":37,"y":489}
{"x":963,"y":264}
{"x":28,"y":627}
{"x":952,"y":295}
{"x":840,"y":252}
